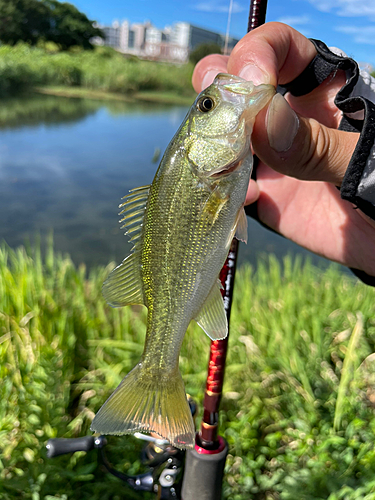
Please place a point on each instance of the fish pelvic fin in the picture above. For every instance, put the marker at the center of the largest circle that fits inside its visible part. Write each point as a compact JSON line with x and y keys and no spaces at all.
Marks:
{"x":241,"y":229}
{"x":212,"y":317}
{"x":148,"y":403}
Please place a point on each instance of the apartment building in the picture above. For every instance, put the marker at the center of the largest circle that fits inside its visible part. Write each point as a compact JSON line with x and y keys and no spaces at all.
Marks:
{"x":172,"y":43}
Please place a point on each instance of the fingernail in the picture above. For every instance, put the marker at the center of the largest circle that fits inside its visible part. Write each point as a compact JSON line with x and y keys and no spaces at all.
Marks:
{"x":282,"y":124}
{"x":252,"y":73}
{"x":208,"y":78}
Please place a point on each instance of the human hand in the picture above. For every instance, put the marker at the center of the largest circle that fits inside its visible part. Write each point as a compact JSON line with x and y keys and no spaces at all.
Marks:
{"x":303,"y":157}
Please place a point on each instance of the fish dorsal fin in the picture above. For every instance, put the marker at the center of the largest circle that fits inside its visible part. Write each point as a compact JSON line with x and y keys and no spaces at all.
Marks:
{"x":241,"y":230}
{"x":212,"y":318}
{"x":133,"y":211}
{"x":124,"y":285}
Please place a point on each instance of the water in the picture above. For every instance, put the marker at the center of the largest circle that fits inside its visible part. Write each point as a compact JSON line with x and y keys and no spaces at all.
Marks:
{"x":66,"y":163}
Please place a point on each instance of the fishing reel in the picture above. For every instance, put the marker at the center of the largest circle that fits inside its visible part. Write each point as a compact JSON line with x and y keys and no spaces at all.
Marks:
{"x":163,"y":461}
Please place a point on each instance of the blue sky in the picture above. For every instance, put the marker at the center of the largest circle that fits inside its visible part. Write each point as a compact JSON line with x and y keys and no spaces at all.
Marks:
{"x":347,"y":24}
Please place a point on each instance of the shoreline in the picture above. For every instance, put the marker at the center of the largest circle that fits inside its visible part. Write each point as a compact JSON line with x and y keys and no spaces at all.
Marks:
{"x":145,"y":96}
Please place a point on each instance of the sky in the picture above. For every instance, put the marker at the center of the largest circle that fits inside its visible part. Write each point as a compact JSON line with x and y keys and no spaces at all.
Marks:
{"x":346,"y":24}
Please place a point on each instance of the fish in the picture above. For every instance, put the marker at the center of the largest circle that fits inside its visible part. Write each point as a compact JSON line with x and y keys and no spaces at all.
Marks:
{"x":182,"y":226}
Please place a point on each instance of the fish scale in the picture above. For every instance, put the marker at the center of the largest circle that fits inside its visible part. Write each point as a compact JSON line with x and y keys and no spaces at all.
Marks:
{"x":182,"y":226}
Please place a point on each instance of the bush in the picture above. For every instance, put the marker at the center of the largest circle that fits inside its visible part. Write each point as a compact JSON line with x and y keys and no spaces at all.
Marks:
{"x":22,"y":67}
{"x":14,"y":78}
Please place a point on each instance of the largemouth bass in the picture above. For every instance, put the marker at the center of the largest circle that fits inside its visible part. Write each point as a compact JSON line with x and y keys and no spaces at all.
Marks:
{"x":182,"y":226}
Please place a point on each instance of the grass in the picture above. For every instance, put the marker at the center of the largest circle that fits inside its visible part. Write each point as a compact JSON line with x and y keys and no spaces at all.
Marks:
{"x":99,"y":71}
{"x":298,"y":405}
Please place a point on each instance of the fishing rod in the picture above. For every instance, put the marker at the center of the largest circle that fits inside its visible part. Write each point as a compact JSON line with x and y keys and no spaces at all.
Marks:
{"x":204,"y":465}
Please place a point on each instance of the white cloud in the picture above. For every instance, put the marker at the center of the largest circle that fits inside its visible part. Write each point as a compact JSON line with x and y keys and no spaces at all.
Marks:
{"x":362,"y":34}
{"x":212,"y":6}
{"x":346,"y":8}
{"x":324,"y":5}
{"x":295,"y":20}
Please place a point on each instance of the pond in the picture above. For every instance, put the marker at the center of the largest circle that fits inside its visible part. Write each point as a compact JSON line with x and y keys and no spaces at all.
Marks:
{"x":65,"y":164}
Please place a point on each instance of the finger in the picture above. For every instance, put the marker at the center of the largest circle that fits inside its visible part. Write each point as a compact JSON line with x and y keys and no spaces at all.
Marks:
{"x":273,"y":53}
{"x":276,"y":53}
{"x":313,"y":215}
{"x":206,"y":70}
{"x":301,"y":147}
{"x":252,"y":193}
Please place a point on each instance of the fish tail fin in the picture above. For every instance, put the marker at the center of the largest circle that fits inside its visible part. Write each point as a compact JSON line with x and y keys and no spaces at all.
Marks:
{"x":149,"y":403}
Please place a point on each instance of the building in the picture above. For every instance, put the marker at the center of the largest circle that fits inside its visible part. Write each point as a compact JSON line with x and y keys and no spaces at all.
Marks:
{"x":173,"y":43}
{"x":190,"y":36}
{"x":112,"y":34}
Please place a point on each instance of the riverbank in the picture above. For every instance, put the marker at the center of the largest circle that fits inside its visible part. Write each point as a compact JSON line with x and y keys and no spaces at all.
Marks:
{"x":297,"y":408}
{"x":144,"y":96}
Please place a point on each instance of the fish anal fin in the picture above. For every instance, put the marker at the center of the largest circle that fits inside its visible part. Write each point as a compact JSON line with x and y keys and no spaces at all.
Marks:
{"x":123,"y":285}
{"x":212,"y":318}
{"x":147,"y":403}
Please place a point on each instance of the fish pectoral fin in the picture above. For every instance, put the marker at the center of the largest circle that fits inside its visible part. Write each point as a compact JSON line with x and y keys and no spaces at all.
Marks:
{"x":124,"y":286}
{"x":214,"y":205}
{"x":212,"y":318}
{"x":143,"y":402}
{"x":241,"y":229}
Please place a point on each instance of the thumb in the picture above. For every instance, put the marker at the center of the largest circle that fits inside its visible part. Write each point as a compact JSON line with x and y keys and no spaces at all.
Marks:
{"x":301,"y":147}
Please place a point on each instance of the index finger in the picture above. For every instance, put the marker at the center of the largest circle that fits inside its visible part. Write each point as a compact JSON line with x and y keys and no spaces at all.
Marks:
{"x":206,"y":70}
{"x":274,"y":53}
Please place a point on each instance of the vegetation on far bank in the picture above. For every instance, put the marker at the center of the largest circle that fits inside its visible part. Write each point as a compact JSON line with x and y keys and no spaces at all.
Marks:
{"x":155,"y":96}
{"x":298,"y":404}
{"x":23,"y":67}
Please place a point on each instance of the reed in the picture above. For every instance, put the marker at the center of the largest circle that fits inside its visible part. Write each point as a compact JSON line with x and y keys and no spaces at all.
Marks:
{"x":23,"y":67}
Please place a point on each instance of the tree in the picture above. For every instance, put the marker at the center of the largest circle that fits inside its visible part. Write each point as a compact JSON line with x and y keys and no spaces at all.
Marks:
{"x":25,"y":20}
{"x":203,"y":50}
{"x":69,"y":26}
{"x":48,"y":20}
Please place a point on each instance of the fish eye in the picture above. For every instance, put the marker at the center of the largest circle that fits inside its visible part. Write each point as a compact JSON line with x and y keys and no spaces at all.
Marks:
{"x":205,"y":104}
